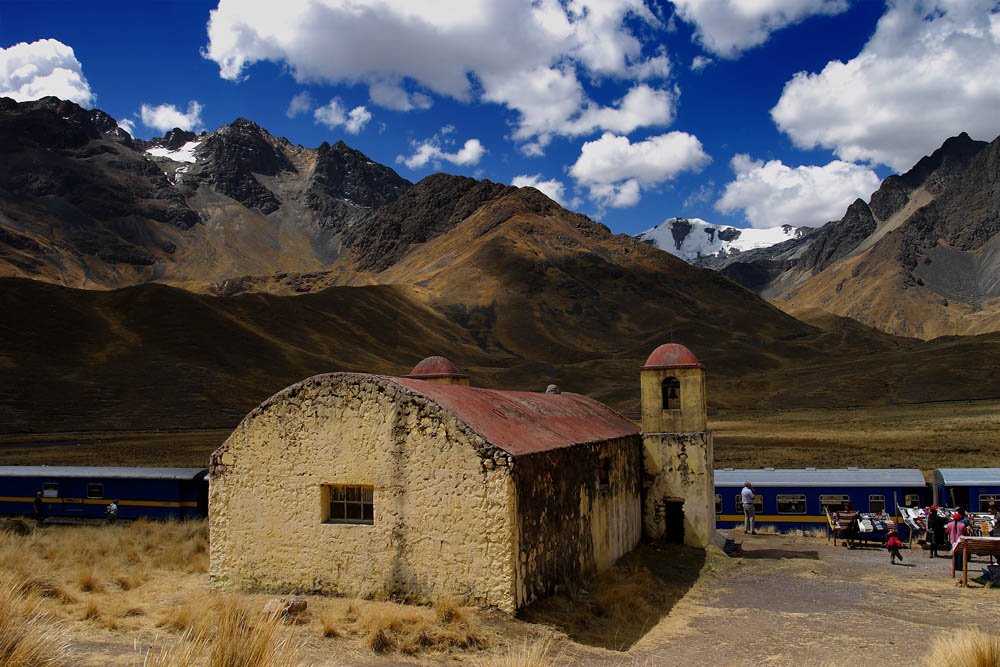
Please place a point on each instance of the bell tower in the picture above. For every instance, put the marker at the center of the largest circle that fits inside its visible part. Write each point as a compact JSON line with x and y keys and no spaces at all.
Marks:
{"x":678,"y":476}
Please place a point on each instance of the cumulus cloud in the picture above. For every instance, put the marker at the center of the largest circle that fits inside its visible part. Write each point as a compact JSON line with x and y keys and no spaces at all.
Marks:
{"x":772,"y":194}
{"x":615,"y":170}
{"x":929,"y":72}
{"x":46,"y":67}
{"x":300,"y":104}
{"x":553,"y":188}
{"x":406,"y":50}
{"x":699,"y":63}
{"x":335,"y":115}
{"x":166,"y":117}
{"x":729,"y":27}
{"x":127,"y":125}
{"x":430,"y":151}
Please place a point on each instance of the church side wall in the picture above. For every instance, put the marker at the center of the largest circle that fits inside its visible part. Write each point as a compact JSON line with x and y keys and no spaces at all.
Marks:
{"x":443,"y":517}
{"x":569,"y":523}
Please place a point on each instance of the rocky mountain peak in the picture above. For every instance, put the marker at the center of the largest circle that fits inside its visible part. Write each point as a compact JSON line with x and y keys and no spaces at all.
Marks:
{"x":176,"y":138}
{"x":345,"y":184}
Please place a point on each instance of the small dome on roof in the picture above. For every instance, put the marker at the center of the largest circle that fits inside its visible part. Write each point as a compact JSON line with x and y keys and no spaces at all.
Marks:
{"x":672,"y":355}
{"x":436,"y":367}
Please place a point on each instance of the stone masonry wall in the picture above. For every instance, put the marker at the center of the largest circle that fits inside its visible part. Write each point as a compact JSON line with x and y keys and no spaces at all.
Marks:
{"x":679,"y":465}
{"x":443,"y":498}
{"x":568,"y":523}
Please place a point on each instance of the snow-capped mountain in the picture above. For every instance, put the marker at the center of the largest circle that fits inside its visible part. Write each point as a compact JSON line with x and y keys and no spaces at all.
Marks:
{"x":691,"y":238}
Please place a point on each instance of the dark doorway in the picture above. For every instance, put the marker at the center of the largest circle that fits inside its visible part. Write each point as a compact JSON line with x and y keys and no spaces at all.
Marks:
{"x":673,"y":514}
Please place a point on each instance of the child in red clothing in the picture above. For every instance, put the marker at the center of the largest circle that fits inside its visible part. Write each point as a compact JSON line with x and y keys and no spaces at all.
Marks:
{"x":893,"y":544}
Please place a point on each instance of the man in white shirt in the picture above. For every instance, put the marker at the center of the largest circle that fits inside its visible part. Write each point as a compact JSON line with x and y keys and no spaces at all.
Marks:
{"x":748,"y":495}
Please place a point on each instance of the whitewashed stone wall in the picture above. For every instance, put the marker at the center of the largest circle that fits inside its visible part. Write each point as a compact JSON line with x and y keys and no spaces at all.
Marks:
{"x":443,"y":498}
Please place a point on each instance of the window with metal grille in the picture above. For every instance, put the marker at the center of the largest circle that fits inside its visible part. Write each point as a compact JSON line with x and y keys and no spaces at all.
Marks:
{"x":876,"y":503}
{"x":95,"y":490}
{"x":758,"y":503}
{"x":790,"y":503}
{"x":351,"y":503}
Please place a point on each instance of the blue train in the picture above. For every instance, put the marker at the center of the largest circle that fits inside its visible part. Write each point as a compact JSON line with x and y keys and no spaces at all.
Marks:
{"x":973,"y":488}
{"x":78,"y":491}
{"x":799,"y":498}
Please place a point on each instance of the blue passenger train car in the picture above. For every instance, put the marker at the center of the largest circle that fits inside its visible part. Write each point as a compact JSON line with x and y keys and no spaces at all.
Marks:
{"x":796,"y":498}
{"x":973,"y":488}
{"x":83,"y":491}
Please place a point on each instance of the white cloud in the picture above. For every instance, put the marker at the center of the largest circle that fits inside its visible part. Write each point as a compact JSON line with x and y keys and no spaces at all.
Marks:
{"x":166,"y":117}
{"x":929,"y":72}
{"x":528,"y":55}
{"x":300,"y":104}
{"x":431,"y":151}
{"x":127,"y":125}
{"x":772,"y":194}
{"x":699,"y":63}
{"x":335,"y":114}
{"x":46,"y":67}
{"x":552,"y":188}
{"x":615,"y":170}
{"x":729,"y":27}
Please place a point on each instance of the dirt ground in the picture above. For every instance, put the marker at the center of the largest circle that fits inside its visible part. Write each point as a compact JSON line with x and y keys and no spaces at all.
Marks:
{"x":787,"y":601}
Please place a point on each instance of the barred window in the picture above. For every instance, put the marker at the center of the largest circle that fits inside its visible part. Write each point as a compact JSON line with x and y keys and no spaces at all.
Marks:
{"x":351,"y":503}
{"x":789,"y":503}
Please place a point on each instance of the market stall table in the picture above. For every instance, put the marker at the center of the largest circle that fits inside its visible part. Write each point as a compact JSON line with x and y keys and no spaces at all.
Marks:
{"x":987,"y":546}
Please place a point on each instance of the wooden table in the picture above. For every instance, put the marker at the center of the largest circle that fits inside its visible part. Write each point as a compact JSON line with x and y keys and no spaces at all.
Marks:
{"x":987,"y":546}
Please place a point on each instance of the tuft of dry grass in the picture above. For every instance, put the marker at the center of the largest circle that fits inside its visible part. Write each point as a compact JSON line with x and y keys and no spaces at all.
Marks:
{"x":386,"y":627}
{"x":964,"y":648}
{"x":529,"y":653}
{"x":28,"y":636}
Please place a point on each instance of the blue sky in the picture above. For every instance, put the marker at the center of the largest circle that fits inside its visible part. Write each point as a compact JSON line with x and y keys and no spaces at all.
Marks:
{"x":742,"y":113}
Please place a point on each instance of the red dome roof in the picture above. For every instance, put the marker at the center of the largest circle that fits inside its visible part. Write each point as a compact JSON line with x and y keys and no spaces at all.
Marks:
{"x":672,"y":355}
{"x":436,"y":367}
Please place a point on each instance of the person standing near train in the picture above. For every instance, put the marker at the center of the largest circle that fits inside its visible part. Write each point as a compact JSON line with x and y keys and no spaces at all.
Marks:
{"x":935,"y":530}
{"x":748,"y":495}
{"x":39,"y":508}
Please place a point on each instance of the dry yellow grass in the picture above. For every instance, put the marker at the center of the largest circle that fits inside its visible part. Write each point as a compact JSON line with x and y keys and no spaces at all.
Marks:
{"x":965,"y":648}
{"x":925,"y":436}
{"x":28,"y":636}
{"x":529,"y":653}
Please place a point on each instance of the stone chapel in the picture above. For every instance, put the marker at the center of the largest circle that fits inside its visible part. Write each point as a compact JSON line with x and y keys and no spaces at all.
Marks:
{"x":422,"y":486}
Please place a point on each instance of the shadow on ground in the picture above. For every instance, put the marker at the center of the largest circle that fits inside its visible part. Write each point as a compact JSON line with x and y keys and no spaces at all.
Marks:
{"x":779,"y":553}
{"x":616,"y":608}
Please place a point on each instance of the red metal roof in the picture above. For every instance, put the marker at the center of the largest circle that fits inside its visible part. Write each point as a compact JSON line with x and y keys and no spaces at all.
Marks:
{"x":522,"y":422}
{"x":671,"y":355}
{"x":436,"y":367}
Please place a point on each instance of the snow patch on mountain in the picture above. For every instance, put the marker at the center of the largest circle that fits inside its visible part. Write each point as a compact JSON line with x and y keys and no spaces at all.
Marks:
{"x":691,"y":238}
{"x":183,"y":154}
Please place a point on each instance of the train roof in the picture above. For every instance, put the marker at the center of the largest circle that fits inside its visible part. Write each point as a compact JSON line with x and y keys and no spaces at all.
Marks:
{"x":103,"y":472}
{"x":820,"y":477}
{"x":967,"y":476}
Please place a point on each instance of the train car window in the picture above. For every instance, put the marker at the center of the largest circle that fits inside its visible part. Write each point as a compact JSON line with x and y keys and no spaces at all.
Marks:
{"x":833,"y":503}
{"x":349,"y":503}
{"x":912,"y":500}
{"x":758,"y":504}
{"x":95,"y":490}
{"x":718,"y":503}
{"x":791,"y":503}
{"x":876,"y":503}
{"x":987,"y":499}
{"x":50,"y":489}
